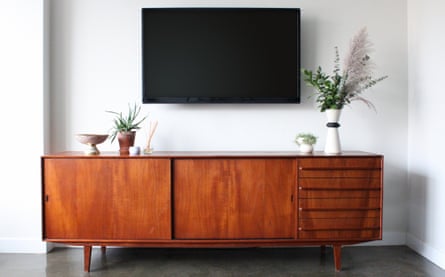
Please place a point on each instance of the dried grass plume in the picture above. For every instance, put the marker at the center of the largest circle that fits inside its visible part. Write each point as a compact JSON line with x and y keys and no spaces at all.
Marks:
{"x":358,"y":68}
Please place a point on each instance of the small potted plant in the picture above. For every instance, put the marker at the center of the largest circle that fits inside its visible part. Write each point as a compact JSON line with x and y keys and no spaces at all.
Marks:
{"x":125,"y":127}
{"x":305,"y":142}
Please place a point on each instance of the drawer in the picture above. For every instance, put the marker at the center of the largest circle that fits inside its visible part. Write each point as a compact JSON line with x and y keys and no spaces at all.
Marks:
{"x":341,"y":163}
{"x":339,"y":183}
{"x":338,"y":193}
{"x":340,"y":214}
{"x":339,"y":224}
{"x":339,"y":204}
{"x":339,"y":173}
{"x":332,"y":235}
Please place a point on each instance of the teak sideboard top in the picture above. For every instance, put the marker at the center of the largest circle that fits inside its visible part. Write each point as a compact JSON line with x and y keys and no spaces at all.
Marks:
{"x":212,"y":199}
{"x":213,"y":154}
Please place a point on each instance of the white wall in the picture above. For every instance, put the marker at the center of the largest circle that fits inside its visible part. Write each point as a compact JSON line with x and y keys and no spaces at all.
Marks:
{"x":22,"y":137}
{"x":426,"y":132}
{"x":95,"y":66}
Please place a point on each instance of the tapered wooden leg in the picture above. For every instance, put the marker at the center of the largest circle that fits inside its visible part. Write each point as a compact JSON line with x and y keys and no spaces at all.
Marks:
{"x":337,"y":257}
{"x":103,"y":249}
{"x":87,"y":257}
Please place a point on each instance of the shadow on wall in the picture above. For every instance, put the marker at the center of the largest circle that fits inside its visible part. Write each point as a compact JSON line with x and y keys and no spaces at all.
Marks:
{"x":417,"y":205}
{"x":395,"y":202}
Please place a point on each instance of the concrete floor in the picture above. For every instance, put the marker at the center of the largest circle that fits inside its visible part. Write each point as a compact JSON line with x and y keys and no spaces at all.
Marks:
{"x":357,"y":261}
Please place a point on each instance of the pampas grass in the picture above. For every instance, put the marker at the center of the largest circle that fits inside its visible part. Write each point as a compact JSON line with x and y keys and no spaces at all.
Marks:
{"x":358,"y":68}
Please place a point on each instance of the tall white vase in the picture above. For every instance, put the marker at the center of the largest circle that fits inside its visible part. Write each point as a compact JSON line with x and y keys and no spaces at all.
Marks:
{"x":332,"y":145}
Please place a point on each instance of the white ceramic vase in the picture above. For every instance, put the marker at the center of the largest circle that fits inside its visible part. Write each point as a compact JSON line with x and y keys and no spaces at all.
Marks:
{"x":332,"y":145}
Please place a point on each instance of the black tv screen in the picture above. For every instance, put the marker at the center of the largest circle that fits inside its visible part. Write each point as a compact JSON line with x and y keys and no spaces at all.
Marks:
{"x":221,"y":55}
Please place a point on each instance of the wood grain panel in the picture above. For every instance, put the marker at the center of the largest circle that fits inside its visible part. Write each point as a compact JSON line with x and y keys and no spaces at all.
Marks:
{"x":107,"y":199}
{"x":234,"y":198}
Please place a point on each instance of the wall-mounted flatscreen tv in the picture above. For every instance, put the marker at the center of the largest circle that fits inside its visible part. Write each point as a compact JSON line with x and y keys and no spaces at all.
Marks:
{"x":221,"y":55}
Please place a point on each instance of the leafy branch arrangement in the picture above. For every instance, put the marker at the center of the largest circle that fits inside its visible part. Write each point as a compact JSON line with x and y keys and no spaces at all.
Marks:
{"x":339,"y":89}
{"x":126,"y":123}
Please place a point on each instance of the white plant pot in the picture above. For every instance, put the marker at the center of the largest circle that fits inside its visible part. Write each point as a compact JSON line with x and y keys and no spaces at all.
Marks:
{"x":332,"y":145}
{"x":306,"y":148}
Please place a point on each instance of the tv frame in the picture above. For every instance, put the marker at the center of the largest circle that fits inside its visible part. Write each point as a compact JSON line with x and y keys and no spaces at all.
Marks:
{"x":222,"y":100}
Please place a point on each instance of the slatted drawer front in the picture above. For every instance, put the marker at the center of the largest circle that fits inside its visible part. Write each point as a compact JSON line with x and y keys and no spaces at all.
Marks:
{"x":363,"y":234}
{"x":340,"y":223}
{"x":340,"y":199}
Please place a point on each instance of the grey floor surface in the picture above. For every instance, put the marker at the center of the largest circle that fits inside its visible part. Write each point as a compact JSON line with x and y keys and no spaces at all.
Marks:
{"x":357,"y":261}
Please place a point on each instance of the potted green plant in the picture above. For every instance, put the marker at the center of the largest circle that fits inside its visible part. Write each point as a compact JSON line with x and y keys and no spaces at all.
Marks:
{"x":305,"y":142}
{"x":125,"y":126}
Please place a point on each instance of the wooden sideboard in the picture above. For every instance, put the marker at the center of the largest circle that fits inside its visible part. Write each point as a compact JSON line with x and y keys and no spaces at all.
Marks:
{"x":212,"y":199}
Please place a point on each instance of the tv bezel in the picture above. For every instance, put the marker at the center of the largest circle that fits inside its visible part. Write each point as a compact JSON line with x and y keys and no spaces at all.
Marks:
{"x":225,"y":100}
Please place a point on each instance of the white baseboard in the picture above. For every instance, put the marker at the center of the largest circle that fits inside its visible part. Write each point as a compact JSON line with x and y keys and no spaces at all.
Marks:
{"x":22,"y":245}
{"x":433,"y":254}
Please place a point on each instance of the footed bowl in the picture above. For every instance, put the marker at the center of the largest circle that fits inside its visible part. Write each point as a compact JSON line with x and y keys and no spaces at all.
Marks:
{"x":91,"y":140}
